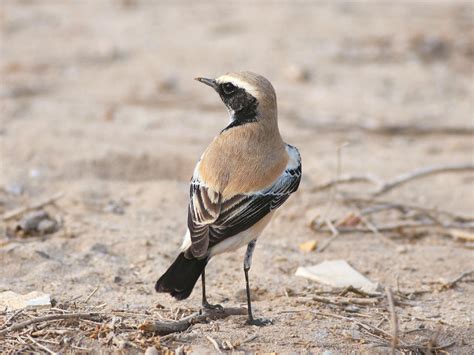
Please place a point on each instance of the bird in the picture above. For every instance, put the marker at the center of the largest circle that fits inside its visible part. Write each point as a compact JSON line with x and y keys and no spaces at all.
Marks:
{"x":244,"y":175}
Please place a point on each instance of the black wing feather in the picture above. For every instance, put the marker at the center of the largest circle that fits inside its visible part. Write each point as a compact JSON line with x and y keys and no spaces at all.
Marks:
{"x":210,"y":221}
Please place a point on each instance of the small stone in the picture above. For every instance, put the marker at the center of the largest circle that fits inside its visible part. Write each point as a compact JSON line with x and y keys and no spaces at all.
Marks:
{"x":31,"y":220}
{"x":100,"y":248}
{"x":116,"y":207}
{"x":352,"y":309}
{"x":38,"y":222}
{"x":47,"y":226}
{"x":401,"y":249}
{"x":117,"y":279}
{"x":297,"y":73}
{"x":151,"y":350}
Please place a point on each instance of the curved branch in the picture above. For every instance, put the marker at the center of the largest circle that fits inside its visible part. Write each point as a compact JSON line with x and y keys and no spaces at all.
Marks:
{"x":163,"y":328}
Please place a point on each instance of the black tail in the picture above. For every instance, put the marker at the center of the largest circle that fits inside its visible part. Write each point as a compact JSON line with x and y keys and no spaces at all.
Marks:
{"x":181,"y":276}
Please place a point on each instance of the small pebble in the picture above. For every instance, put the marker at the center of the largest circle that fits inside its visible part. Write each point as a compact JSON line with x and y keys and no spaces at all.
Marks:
{"x":297,"y":73}
{"x":47,"y":226}
{"x":100,"y":248}
{"x":31,"y":221}
{"x":151,"y":350}
{"x":352,"y":309}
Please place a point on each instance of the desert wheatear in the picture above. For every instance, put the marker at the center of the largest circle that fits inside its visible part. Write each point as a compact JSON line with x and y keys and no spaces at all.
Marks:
{"x":244,"y":175}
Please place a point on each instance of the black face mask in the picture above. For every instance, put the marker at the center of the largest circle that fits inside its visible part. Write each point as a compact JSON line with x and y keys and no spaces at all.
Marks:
{"x":242,"y":104}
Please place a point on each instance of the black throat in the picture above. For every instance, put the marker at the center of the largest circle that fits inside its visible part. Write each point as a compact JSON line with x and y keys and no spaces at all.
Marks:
{"x":242,"y":105}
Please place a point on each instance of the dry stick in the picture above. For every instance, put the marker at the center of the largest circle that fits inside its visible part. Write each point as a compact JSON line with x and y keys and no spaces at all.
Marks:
{"x":419,"y":173}
{"x":91,"y":294}
{"x":344,"y":301}
{"x":452,"y":283}
{"x":392,"y":129}
{"x":43,"y":347}
{"x":48,"y":318}
{"x":393,"y":319}
{"x":395,"y":227}
{"x":16,"y":212}
{"x":384,"y":187}
{"x":249,"y":339}
{"x":214,"y":344}
{"x":361,"y":324}
{"x":13,"y":316}
{"x":381,"y":205}
{"x":357,"y":291}
{"x":348,"y":179}
{"x":335,"y":234}
{"x":163,"y":328}
{"x":375,"y":230}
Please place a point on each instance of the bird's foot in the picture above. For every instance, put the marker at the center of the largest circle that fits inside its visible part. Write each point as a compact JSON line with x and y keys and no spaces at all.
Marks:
{"x":260,"y":322}
{"x":207,"y":306}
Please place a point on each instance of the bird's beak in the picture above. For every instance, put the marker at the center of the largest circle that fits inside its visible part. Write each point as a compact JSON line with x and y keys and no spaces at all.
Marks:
{"x":210,"y":82}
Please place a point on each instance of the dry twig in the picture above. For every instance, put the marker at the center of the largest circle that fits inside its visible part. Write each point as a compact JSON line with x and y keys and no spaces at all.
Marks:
{"x":453,"y":282}
{"x":49,"y":318}
{"x":335,"y":234}
{"x":34,"y":206}
{"x":348,"y":179}
{"x":394,"y":227}
{"x":41,"y":346}
{"x":343,"y":301}
{"x":393,"y":319}
{"x":419,"y":173}
{"x":392,"y":129}
{"x":91,"y":294}
{"x":386,"y":186}
{"x":382,"y":205}
{"x":214,"y":343}
{"x":163,"y":328}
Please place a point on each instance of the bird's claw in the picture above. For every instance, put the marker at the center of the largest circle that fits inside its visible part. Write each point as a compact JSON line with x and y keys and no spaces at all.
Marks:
{"x":208,"y":306}
{"x":260,"y":322}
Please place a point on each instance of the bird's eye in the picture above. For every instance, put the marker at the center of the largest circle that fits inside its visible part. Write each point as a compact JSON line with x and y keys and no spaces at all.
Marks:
{"x":228,"y":88}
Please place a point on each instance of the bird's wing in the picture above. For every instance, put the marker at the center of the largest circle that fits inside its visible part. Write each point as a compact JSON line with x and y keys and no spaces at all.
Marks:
{"x":243,"y":211}
{"x":203,"y":210}
{"x":211,"y":220}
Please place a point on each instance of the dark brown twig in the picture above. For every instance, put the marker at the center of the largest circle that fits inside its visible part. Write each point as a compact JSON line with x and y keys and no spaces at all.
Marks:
{"x":163,"y":328}
{"x":48,"y":318}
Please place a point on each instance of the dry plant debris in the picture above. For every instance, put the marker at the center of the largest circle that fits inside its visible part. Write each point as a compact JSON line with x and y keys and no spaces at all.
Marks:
{"x":413,"y":217}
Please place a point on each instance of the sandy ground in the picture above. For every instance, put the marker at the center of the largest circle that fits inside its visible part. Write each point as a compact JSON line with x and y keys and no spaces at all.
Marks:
{"x":98,"y":101}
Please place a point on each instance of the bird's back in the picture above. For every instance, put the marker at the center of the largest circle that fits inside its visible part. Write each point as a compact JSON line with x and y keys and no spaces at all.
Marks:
{"x":243,"y":160}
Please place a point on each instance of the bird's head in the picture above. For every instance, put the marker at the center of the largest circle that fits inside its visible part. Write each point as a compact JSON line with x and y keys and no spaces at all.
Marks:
{"x":249,"y":97}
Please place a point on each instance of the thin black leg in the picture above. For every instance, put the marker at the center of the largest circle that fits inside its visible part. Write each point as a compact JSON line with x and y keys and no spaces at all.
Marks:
{"x":206,"y":304}
{"x":247,"y":264}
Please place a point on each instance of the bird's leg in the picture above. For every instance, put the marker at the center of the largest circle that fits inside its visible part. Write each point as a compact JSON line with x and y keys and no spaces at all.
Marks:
{"x":205,"y":304}
{"x":247,"y":263}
